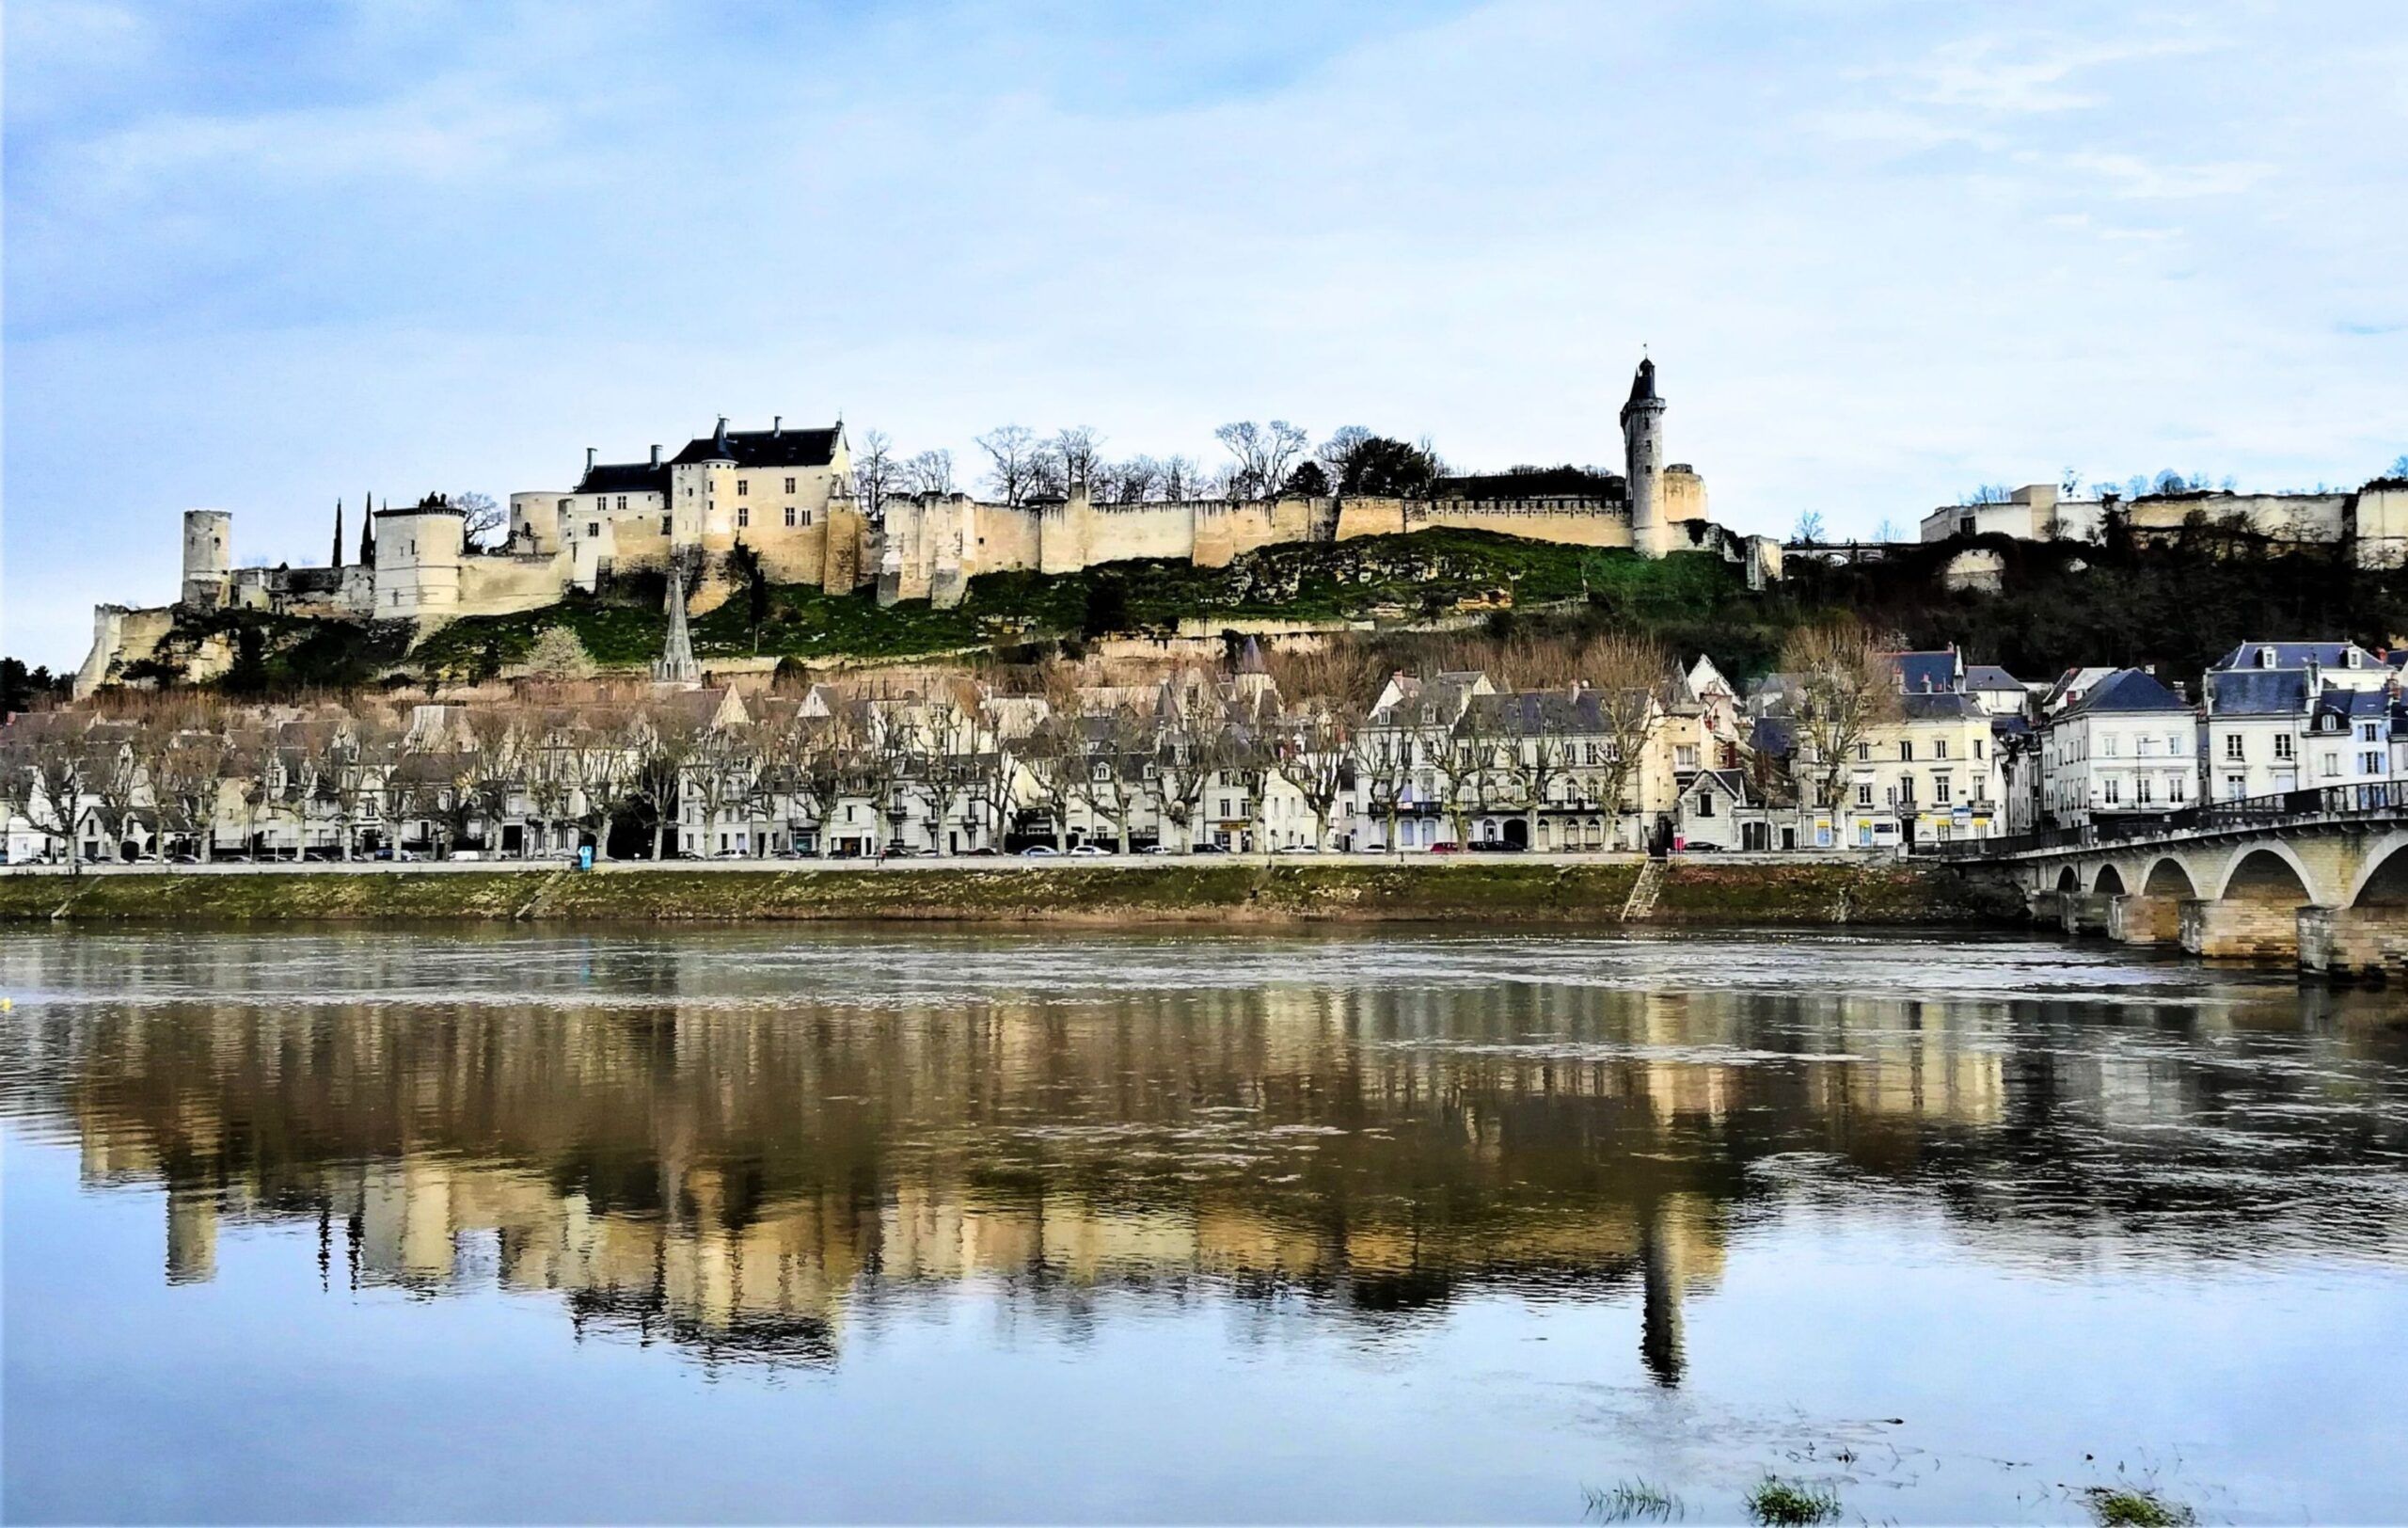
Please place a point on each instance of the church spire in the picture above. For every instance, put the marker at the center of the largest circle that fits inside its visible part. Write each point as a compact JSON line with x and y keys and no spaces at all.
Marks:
{"x":367,"y":532}
{"x":676,"y":663}
{"x":338,"y":556}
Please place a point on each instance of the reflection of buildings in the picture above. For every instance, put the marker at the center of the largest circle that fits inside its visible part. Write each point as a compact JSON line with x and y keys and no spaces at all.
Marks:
{"x":754,"y":1179}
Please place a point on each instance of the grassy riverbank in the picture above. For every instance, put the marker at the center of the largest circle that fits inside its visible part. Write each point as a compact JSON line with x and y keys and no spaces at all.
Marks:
{"x":1470,"y":895}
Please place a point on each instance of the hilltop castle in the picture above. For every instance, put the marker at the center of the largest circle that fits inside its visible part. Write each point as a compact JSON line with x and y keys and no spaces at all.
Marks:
{"x":789,"y":498}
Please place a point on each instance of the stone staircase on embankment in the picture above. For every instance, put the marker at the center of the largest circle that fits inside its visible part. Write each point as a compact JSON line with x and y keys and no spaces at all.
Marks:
{"x":1644,"y":891}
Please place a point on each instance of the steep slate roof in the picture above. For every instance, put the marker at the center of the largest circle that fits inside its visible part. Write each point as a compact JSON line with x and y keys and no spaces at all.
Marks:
{"x":2295,"y":655}
{"x":1940,"y":705}
{"x":2126,"y":690}
{"x":2351,"y":704}
{"x":1547,"y":713}
{"x":624,"y":477}
{"x":2254,"y":691}
{"x":1926,"y":672}
{"x":1989,"y":677}
{"x":761,"y":448}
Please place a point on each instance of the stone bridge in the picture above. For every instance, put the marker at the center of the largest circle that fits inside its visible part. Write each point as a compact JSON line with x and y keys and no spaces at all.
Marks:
{"x":2318,"y":877}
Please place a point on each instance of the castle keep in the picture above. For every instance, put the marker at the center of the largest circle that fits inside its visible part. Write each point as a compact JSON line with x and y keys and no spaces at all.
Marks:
{"x":789,"y":498}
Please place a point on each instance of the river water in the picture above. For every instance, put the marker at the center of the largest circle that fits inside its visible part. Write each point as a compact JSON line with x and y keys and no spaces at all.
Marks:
{"x":993,"y":1227}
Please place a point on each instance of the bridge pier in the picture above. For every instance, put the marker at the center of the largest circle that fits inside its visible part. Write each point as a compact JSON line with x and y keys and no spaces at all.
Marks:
{"x":2042,"y":907}
{"x":2082,"y":911}
{"x":2363,"y":943}
{"x":2241,"y":928}
{"x":2137,"y":919}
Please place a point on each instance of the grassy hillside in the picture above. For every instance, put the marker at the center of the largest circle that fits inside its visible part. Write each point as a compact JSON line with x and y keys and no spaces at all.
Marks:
{"x":2060,"y":604}
{"x":1393,"y":578}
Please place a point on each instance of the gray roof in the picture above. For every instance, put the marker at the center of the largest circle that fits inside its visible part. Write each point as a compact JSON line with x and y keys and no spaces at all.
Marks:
{"x":2128,"y":691}
{"x":1989,"y":677}
{"x":2254,"y":691}
{"x":2292,"y":655}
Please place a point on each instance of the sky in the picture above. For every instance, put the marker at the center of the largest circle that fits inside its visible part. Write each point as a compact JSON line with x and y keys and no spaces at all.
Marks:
{"x":262,"y":255}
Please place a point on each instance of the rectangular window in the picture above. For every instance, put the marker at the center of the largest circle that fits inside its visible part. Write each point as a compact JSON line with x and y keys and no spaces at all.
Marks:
{"x":1684,"y":757}
{"x":2145,"y":789}
{"x":1865,"y":794}
{"x":2114,"y":790}
{"x":743,"y":486}
{"x":2282,"y":746}
{"x":623,"y":500}
{"x":664,"y":526}
{"x":1906,"y":753}
{"x":2108,"y":744}
{"x":2369,"y":763}
{"x":2235,"y":787}
{"x":593,"y":528}
{"x":790,"y":516}
{"x":1863,"y":751}
{"x":743,"y":516}
{"x":1939,"y":748}
{"x":789,"y":484}
{"x":2232,"y":745}
{"x":2332,"y":763}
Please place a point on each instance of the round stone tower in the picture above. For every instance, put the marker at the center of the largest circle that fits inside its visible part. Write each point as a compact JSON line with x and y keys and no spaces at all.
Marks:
{"x":209,"y":556}
{"x":1642,"y":449}
{"x":418,"y":551}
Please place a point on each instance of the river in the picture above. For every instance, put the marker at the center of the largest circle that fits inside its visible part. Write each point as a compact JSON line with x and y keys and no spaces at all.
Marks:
{"x":833,"y":1224}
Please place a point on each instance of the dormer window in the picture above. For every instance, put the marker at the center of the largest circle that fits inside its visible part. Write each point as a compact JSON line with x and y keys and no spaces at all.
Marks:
{"x":2350,"y":657}
{"x":2265,"y":657}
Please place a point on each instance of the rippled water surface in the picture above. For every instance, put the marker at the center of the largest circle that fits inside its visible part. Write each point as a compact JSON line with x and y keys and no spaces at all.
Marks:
{"x":848,"y":1226}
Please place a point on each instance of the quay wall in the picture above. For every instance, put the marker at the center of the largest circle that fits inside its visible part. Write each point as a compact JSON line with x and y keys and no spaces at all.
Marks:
{"x":1588,"y":893}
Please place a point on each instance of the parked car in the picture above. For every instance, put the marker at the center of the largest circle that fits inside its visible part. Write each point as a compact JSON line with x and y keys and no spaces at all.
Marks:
{"x":1090,"y":852}
{"x":1301,"y":849}
{"x":1450,"y":847}
{"x":1158,"y":848}
{"x":1039,"y":851}
{"x":468,"y":856}
{"x":1208,"y":847}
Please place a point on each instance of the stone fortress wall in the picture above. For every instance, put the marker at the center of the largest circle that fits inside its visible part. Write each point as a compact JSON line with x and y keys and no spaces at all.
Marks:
{"x":2372,"y":522}
{"x":786,"y":496}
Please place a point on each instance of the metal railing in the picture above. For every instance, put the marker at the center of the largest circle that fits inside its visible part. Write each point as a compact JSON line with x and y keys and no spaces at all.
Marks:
{"x":2375,"y":798}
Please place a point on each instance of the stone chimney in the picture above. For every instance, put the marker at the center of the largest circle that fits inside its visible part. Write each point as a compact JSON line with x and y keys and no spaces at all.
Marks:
{"x":777,"y":425}
{"x":655,"y":455}
{"x":589,"y":458}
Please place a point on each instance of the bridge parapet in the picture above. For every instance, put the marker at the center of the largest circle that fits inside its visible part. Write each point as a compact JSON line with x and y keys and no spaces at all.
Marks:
{"x":2341,"y":806}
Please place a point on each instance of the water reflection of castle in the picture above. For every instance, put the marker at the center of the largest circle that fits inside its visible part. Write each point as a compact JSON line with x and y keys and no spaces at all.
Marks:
{"x":750,"y":1182}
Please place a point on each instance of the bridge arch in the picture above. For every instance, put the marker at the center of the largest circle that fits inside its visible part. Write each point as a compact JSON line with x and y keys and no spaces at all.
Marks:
{"x":2383,"y":882}
{"x":2108,"y":882}
{"x":2267,"y":872}
{"x":2169,"y":877}
{"x":2069,"y":879}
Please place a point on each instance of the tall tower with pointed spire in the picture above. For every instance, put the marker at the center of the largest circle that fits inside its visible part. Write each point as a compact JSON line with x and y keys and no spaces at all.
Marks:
{"x":1642,"y":449}
{"x":336,"y":560}
{"x":676,"y":663}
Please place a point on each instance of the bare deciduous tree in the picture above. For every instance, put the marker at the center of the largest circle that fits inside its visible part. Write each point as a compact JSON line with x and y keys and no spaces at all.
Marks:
{"x":484,"y":524}
{"x":875,"y":474}
{"x":1016,"y":462}
{"x":929,"y":472}
{"x":1844,"y":685}
{"x":1264,"y":454}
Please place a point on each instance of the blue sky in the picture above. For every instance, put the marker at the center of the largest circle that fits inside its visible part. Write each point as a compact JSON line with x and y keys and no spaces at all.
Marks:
{"x":261,"y":256}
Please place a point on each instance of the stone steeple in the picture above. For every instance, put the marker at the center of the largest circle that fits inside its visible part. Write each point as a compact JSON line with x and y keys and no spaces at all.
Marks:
{"x":336,"y":560}
{"x":676,"y":663}
{"x":1642,"y":437}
